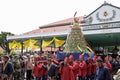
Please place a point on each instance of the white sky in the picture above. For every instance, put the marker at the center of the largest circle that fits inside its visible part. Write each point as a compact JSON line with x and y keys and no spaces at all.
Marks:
{"x":20,"y":16}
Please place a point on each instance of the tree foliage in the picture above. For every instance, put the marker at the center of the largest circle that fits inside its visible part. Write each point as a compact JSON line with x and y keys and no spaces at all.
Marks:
{"x":4,"y":43}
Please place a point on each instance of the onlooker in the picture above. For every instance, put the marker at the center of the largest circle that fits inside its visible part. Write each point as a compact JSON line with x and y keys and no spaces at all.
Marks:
{"x":7,"y":69}
{"x":66,"y":71}
{"x":22,"y":63}
{"x":37,"y":70}
{"x":29,"y":67}
{"x":17,"y":68}
{"x":1,"y":67}
{"x":102,"y":73}
{"x":51,"y":69}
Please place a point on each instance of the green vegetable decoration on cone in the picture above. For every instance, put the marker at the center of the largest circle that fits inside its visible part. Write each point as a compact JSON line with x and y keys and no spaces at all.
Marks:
{"x":76,"y":42}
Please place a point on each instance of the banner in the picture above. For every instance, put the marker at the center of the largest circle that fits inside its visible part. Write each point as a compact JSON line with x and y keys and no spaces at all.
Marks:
{"x":13,"y":45}
{"x":10,"y":45}
{"x":36,"y":47}
{"x":46,"y":43}
{"x":58,"y":42}
{"x":19,"y":45}
{"x":30,"y":43}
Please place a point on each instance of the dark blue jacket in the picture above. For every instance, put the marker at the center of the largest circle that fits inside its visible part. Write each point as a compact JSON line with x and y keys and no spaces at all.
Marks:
{"x":52,"y":70}
{"x":1,"y":67}
{"x":102,"y":73}
{"x":9,"y":69}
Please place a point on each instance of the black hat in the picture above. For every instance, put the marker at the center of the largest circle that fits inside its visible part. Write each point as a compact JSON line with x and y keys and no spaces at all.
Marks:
{"x":99,"y":60}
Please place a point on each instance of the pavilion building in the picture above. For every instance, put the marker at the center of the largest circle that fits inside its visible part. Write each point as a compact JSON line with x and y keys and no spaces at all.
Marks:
{"x":101,"y":29}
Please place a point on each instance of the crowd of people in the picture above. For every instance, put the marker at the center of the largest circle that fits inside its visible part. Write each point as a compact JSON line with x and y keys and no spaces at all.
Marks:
{"x":42,"y":67}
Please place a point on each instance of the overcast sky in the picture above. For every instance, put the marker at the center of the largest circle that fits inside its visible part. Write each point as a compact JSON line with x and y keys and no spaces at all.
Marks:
{"x":20,"y":16}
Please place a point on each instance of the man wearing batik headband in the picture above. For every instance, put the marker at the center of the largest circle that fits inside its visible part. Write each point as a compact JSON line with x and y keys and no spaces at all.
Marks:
{"x":89,"y":68}
{"x":82,"y":69}
{"x":94,"y":66}
{"x":107,"y":63}
{"x":66,"y":71}
{"x":44,"y":70}
{"x":74,"y":65}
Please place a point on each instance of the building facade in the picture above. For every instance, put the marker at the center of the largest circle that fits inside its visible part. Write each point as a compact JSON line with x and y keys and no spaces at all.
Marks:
{"x":101,"y":28}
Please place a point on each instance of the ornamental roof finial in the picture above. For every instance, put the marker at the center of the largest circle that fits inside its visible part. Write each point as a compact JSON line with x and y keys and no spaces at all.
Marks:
{"x":105,"y":2}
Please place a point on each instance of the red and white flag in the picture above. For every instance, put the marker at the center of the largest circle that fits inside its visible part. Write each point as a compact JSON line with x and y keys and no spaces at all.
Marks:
{"x":75,"y":13}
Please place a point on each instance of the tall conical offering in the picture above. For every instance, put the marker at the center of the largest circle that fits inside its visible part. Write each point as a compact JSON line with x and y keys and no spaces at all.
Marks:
{"x":76,"y":42}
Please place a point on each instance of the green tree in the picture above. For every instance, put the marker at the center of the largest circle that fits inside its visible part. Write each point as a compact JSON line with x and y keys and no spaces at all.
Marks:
{"x":4,"y":43}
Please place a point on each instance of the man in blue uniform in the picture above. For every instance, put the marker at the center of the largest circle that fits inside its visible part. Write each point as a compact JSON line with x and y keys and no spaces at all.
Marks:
{"x":102,"y":73}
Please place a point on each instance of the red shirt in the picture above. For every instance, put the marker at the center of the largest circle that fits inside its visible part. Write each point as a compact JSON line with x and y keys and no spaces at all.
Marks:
{"x":67,"y":73}
{"x":75,"y":68}
{"x":37,"y":71}
{"x":82,"y":69}
{"x":94,"y":68}
{"x":89,"y":66}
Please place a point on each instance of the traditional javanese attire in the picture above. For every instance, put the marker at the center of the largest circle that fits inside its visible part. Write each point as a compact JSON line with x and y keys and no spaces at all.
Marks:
{"x":107,"y":64}
{"x":89,"y":69}
{"x":102,"y":73}
{"x":82,"y":69}
{"x":74,"y":66}
{"x":37,"y":71}
{"x":57,"y":63}
{"x":94,"y":66}
{"x":93,"y":69}
{"x":67,"y":72}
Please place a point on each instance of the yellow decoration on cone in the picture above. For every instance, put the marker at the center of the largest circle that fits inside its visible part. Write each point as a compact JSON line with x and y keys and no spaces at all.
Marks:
{"x":90,"y":49}
{"x":79,"y":48}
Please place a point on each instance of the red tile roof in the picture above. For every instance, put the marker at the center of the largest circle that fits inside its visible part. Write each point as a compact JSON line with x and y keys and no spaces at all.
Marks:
{"x":1,"y":49}
{"x":55,"y":26}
